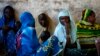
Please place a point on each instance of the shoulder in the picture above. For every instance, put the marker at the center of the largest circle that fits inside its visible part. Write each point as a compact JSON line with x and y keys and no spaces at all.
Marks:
{"x":29,"y":31}
{"x":79,"y":25}
{"x":97,"y":26}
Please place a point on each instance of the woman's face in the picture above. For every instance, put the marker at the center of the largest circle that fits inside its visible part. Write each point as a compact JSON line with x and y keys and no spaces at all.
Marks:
{"x":92,"y":18}
{"x":64,"y":20}
{"x":8,"y":13}
{"x":43,"y":21}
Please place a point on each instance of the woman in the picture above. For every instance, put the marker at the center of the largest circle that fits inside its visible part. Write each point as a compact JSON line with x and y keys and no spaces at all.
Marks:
{"x":27,"y":41}
{"x":47,"y":26}
{"x":65,"y":30}
{"x":26,"y":36}
{"x":7,"y":30}
{"x":88,"y":30}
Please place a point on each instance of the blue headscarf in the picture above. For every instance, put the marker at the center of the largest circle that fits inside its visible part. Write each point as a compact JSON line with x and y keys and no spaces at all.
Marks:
{"x":28,"y":38}
{"x":27,"y":20}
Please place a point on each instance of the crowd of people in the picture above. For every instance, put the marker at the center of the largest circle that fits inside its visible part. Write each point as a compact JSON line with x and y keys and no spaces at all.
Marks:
{"x":22,"y":38}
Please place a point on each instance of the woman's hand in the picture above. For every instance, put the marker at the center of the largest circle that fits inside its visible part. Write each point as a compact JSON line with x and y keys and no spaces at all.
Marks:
{"x":68,"y":41}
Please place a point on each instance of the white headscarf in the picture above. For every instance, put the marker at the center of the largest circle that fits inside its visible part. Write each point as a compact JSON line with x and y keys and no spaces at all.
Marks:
{"x":60,"y":31}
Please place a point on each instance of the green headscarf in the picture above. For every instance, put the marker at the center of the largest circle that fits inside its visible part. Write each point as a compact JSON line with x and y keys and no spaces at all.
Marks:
{"x":85,"y":15}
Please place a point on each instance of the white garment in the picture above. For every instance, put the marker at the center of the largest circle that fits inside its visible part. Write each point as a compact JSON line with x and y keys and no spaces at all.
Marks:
{"x":60,"y":31}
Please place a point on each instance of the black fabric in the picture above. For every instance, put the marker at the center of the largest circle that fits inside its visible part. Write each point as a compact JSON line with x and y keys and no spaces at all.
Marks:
{"x":45,"y":35}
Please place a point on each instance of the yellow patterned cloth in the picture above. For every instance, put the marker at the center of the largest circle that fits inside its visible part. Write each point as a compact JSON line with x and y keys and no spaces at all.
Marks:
{"x":87,"y":33}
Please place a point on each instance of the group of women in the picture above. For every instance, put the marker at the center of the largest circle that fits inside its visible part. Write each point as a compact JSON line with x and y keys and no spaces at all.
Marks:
{"x":23,"y":38}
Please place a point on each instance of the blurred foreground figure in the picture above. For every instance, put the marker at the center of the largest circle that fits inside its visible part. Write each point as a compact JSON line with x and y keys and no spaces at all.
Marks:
{"x":7,"y":30}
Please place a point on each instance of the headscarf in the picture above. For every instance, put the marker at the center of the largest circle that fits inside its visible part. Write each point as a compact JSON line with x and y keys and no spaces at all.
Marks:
{"x":27,"y":41}
{"x":86,"y":30}
{"x":3,"y":20}
{"x":60,"y":31}
{"x":27,"y":20}
{"x":86,"y":13}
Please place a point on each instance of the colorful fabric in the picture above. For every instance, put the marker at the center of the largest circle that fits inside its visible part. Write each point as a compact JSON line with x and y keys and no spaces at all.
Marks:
{"x":88,"y":31}
{"x":87,"y":13}
{"x":85,"y":31}
{"x":84,"y":17}
{"x":27,"y":41}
